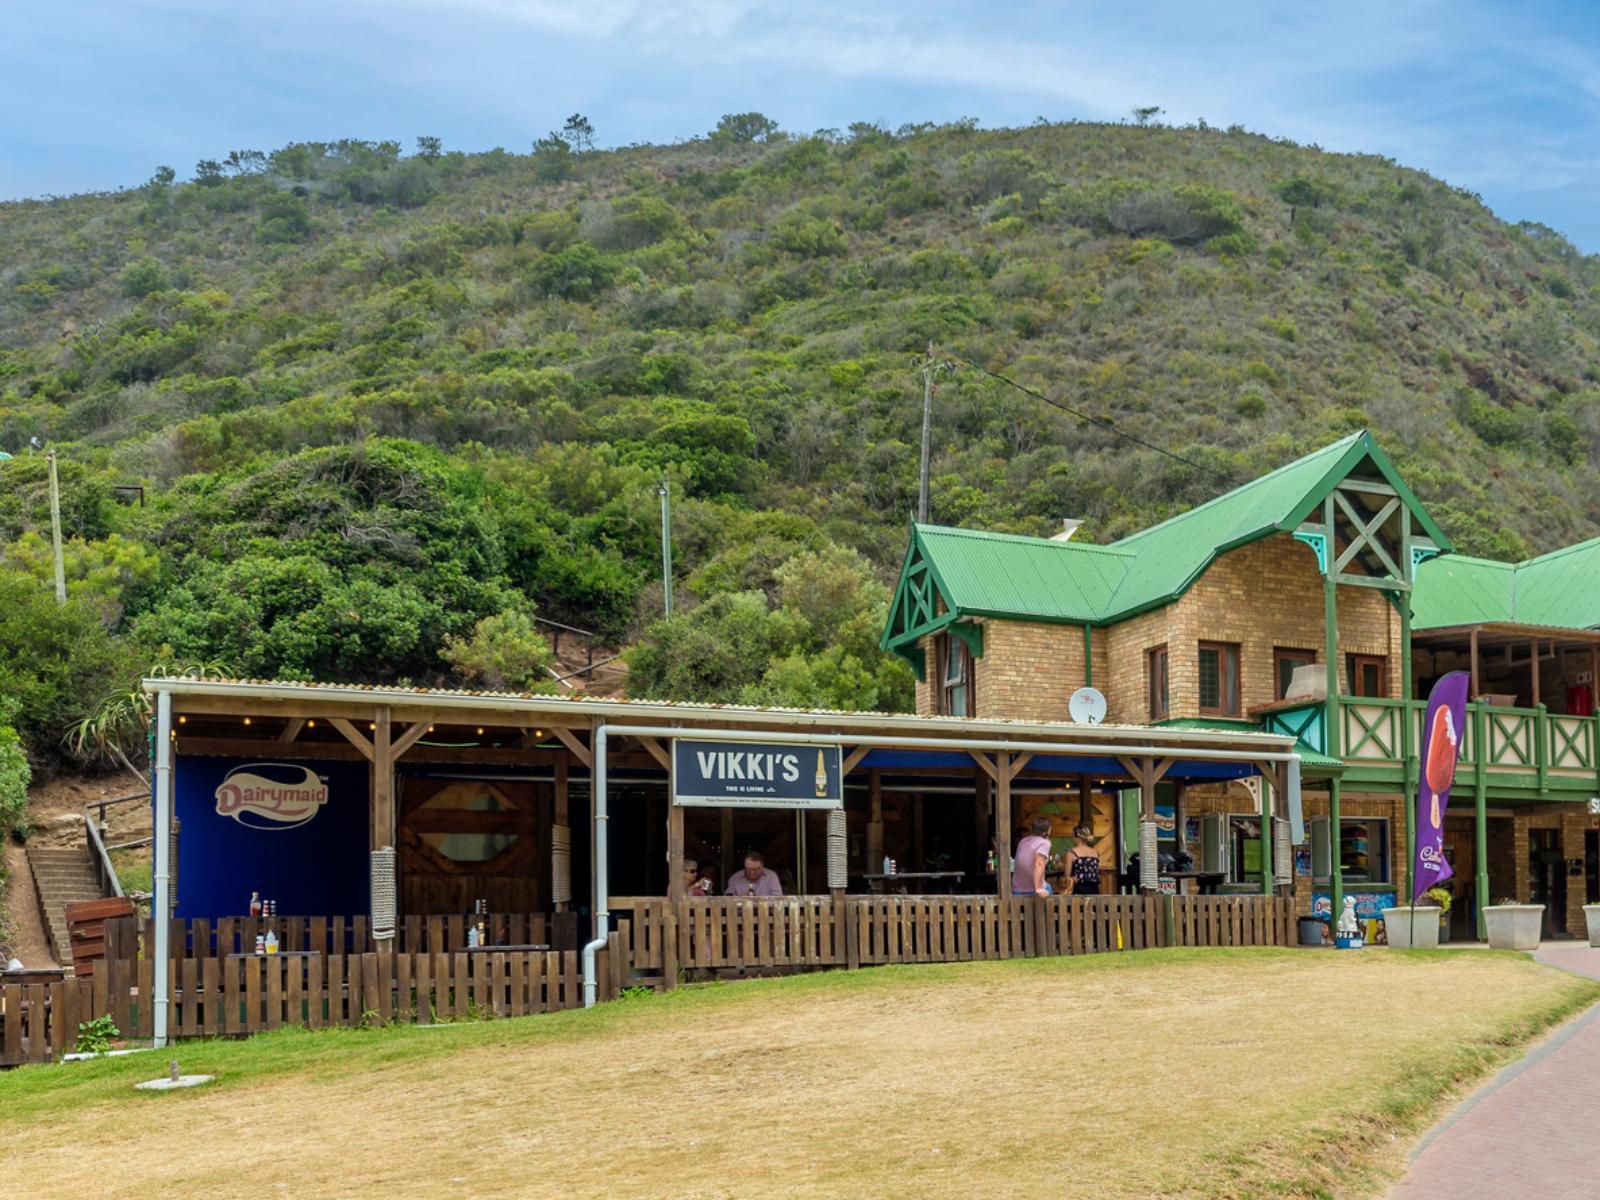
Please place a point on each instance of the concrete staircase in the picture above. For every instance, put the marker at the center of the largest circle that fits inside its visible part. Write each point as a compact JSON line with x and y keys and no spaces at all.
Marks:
{"x":61,"y":875}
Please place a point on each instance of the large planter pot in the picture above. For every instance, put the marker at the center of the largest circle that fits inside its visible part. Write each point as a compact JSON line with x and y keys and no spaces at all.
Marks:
{"x":1591,"y":916}
{"x":1406,"y":931}
{"x":1513,"y":926}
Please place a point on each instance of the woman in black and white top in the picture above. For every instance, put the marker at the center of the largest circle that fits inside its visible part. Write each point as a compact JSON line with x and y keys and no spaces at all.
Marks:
{"x":1083,"y":864}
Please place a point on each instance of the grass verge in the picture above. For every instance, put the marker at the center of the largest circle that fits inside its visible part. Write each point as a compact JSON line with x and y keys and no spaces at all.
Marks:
{"x":1177,"y":1073}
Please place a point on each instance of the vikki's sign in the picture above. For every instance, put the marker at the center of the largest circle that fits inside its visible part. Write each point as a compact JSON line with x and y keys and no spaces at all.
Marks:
{"x":271,"y":796}
{"x":756,"y":775}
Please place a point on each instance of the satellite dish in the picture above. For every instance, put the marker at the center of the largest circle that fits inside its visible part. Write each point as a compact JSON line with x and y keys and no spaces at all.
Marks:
{"x":1087,"y":706}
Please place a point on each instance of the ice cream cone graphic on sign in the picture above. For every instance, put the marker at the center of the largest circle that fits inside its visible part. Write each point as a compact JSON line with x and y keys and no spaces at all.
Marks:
{"x":1443,"y":750}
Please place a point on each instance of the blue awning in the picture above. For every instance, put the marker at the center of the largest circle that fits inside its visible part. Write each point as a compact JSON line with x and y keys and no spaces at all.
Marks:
{"x":1052,"y":764}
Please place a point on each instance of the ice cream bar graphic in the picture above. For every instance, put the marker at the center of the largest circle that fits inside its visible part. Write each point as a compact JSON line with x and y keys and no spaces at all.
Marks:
{"x":822,"y":775}
{"x":1442,"y":753}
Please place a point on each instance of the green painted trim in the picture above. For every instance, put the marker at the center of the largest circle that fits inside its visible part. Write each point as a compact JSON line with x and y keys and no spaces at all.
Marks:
{"x":1365,"y":447}
{"x":970,"y":634}
{"x":1319,"y":546}
{"x":917,"y":659}
{"x":1480,"y":798}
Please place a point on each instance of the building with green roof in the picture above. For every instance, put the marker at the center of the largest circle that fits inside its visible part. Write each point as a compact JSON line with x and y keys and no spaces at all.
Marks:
{"x":1322,"y":600}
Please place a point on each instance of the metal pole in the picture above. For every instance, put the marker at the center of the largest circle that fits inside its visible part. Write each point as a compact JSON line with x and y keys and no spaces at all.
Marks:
{"x":161,"y":798}
{"x":55,"y":528}
{"x":1335,"y":857}
{"x":1480,"y":815}
{"x":665,"y":492}
{"x":602,"y":918}
{"x":927,"y":435}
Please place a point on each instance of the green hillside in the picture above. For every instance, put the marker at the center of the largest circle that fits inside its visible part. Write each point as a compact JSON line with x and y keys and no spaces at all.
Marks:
{"x":386,"y":407}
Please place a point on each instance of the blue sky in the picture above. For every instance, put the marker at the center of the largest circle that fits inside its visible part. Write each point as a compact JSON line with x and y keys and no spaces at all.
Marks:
{"x":1501,"y":98}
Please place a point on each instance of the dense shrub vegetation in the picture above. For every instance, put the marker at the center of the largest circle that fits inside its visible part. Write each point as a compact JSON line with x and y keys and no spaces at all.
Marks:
{"x":389,"y":408}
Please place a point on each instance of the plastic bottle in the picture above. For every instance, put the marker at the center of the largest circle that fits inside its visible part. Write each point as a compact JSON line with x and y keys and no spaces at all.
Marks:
{"x":261,"y":943}
{"x":472,"y":937}
{"x":272,"y":942}
{"x":888,"y":865}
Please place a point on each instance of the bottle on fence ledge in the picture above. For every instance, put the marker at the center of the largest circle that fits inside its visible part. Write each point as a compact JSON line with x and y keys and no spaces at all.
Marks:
{"x":272,"y":942}
{"x":255,"y":904}
{"x":261,"y":943}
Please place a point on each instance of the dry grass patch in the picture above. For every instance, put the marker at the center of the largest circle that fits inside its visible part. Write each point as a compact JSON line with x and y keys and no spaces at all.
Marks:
{"x":1164,"y":1073}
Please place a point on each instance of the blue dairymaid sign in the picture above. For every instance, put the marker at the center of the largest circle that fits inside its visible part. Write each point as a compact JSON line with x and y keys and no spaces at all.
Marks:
{"x":756,"y":775}
{"x":294,"y":831}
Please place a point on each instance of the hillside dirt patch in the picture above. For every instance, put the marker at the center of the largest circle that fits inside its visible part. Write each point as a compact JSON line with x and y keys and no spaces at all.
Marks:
{"x":1153,"y":1074}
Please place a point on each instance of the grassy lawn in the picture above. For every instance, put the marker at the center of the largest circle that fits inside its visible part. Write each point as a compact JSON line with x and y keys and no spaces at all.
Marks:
{"x":1172,"y":1073}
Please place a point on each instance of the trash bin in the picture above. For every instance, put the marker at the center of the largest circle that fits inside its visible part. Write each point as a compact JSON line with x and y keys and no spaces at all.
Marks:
{"x":1311,"y":931}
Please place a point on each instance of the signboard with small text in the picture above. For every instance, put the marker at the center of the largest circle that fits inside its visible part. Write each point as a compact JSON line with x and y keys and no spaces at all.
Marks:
{"x":756,"y":775}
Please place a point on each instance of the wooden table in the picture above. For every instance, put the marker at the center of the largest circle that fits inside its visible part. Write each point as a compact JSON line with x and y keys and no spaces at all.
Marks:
{"x":880,"y":882}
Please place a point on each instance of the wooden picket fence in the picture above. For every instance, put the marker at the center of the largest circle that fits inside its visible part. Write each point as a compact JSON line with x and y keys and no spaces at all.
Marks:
{"x":128,"y":937}
{"x":812,"y":931}
{"x":243,"y":994}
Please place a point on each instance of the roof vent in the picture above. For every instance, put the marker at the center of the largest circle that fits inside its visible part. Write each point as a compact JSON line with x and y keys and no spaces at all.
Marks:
{"x":1069,"y":526}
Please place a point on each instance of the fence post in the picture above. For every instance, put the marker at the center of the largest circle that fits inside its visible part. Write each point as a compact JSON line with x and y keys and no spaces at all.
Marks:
{"x":1169,"y":923}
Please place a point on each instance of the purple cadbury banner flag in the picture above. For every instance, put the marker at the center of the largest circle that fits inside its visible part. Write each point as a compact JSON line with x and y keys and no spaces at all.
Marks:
{"x":1442,"y":728}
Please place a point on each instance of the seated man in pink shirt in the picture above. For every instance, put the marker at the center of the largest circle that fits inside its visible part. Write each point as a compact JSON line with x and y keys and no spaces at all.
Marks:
{"x":755,"y":879}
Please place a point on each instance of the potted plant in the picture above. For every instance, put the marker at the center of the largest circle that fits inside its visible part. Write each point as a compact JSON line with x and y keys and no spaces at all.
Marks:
{"x":1513,"y":926}
{"x":1411,"y":927}
{"x":1440,"y":895}
{"x":1591,"y":916}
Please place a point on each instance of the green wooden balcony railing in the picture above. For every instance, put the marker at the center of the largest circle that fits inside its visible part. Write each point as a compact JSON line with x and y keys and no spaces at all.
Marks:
{"x":1525,"y":750}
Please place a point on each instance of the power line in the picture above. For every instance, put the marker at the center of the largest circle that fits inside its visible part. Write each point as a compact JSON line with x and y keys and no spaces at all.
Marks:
{"x":1090,"y":419}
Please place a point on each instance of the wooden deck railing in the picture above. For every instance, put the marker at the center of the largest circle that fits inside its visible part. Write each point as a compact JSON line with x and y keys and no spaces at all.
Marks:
{"x":817,"y":931}
{"x":244,"y":994}
{"x":201,"y":938}
{"x":1553,"y":748}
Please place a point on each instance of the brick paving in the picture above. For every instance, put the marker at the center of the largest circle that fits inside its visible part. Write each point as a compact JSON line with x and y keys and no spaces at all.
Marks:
{"x":1528,"y":1133}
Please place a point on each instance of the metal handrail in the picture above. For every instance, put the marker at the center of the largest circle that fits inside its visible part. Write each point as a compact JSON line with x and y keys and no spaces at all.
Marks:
{"x":108,"y":876}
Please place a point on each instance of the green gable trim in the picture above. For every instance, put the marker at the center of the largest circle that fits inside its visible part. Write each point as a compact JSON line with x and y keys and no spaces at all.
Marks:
{"x":1361,"y":446}
{"x":970,"y":634}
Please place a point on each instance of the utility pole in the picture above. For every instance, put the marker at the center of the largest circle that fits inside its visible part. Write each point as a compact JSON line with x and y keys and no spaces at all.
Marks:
{"x":55,"y":528}
{"x":929,"y":367}
{"x":664,"y":490}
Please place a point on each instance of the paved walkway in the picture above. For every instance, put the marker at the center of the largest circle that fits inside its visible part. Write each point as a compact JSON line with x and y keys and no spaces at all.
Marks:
{"x":1527,"y":1134}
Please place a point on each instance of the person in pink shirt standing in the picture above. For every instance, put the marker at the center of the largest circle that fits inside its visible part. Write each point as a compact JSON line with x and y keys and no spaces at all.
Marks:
{"x":1033,"y":852}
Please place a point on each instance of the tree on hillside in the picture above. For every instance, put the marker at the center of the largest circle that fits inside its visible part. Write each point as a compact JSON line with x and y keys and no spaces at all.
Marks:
{"x":741,"y":128}
{"x":208,"y":172}
{"x":1147,"y":113}
{"x":552,"y":158}
{"x":429,"y":147}
{"x":579,"y":133}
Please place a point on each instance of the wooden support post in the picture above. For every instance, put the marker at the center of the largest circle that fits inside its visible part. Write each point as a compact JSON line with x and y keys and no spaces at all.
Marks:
{"x":382,"y":807}
{"x":1085,"y":800}
{"x":1002,"y":828}
{"x":875,"y":820}
{"x":919,"y":850}
{"x":1335,"y":857}
{"x":1472,"y":651}
{"x":1408,"y":741}
{"x":1330,"y":635}
{"x":561,"y":815}
{"x":726,"y":863}
{"x":1533,"y":666}
{"x":676,"y":890}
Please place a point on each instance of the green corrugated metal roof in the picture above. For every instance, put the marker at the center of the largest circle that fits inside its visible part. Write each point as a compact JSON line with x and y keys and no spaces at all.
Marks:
{"x":1558,"y":590}
{"x":999,"y":574}
{"x":995,"y":574}
{"x":1171,"y":555}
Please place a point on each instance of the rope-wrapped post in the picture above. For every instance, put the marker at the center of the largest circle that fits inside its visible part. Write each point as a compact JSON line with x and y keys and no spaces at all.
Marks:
{"x":1149,"y":869}
{"x":172,"y":855}
{"x":384,"y":906}
{"x":1282,"y":853}
{"x":838,"y":850}
{"x":561,"y":864}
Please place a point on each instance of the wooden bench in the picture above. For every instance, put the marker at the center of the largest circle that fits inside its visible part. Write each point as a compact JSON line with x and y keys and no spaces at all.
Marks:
{"x":86,"y":929}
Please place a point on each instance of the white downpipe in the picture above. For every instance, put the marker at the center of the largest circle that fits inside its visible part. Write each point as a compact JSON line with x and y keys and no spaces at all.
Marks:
{"x":598,"y":786}
{"x":602,"y":916}
{"x":161,"y":797}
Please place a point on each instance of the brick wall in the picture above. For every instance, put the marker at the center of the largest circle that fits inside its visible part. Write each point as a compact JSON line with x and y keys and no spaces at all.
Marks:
{"x":1262,"y":596}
